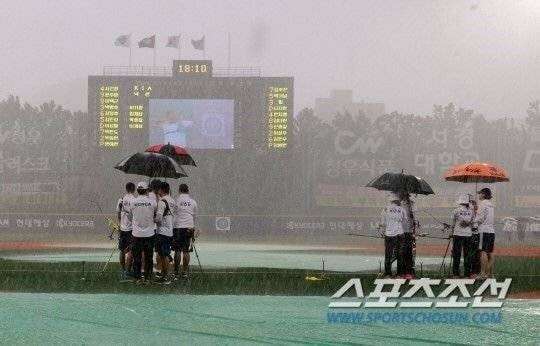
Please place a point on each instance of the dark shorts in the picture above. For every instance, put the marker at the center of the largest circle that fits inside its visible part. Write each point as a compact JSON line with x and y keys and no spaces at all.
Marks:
{"x":163,"y":245}
{"x":124,"y":241}
{"x":487,"y":242}
{"x":182,"y":239}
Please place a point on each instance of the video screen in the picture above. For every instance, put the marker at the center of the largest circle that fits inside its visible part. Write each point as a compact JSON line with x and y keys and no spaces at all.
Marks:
{"x":192,"y":123}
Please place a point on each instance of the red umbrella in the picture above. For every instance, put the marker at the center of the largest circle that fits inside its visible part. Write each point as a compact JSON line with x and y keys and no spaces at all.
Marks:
{"x":477,"y":172}
{"x":176,"y":152}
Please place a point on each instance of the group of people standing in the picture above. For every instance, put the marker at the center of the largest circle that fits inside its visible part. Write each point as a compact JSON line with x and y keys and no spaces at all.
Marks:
{"x":151,"y":221}
{"x":472,"y":233}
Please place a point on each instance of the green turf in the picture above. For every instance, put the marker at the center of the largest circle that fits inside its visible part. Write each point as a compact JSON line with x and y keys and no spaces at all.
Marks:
{"x":80,"y":277}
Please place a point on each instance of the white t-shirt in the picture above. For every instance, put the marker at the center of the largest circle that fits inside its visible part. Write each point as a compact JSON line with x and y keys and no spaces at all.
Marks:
{"x":185,"y":212}
{"x":122,"y":207}
{"x":394,"y":219}
{"x":462,"y":214}
{"x":485,"y":217}
{"x":141,"y":214}
{"x":164,"y":216}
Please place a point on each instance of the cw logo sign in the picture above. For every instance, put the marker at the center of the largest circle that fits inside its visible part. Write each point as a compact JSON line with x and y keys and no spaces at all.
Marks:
{"x":369,"y":145}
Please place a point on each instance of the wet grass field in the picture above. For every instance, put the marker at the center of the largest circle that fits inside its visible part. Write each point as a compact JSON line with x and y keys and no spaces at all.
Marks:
{"x":90,"y":277}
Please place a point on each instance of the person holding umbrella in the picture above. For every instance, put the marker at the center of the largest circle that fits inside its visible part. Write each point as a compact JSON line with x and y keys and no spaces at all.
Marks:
{"x":462,"y":218}
{"x":408,"y":236}
{"x":394,"y":220}
{"x":401,"y":186}
{"x":486,"y":173}
{"x":142,"y":212}
{"x":485,"y":219}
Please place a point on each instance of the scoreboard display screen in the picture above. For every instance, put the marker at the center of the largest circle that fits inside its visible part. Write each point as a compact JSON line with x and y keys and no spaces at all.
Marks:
{"x":193,"y":109}
{"x":192,"y":123}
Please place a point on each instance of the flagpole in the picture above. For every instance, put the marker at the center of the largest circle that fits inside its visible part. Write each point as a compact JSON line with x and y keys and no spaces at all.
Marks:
{"x":229,"y":53}
{"x":130,"y":55}
{"x":179,"y":46}
{"x":204,"y":48}
{"x":154,"y":63}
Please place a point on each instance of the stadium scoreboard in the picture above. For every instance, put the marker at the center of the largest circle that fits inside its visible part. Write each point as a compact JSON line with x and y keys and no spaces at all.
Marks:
{"x":191,"y":108}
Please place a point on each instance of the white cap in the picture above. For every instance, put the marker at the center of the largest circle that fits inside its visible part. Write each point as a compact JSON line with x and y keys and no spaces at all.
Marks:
{"x":142,"y":185}
{"x":463,"y":199}
{"x":393,"y":197}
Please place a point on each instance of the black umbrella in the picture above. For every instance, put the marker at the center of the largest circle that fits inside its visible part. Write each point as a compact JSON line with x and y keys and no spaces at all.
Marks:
{"x":400,"y":182}
{"x":151,"y":165}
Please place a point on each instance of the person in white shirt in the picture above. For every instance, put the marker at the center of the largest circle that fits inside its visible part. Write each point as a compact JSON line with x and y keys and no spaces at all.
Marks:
{"x":475,"y":243}
{"x":394,"y":220}
{"x":185,"y":218}
{"x":462,"y":218}
{"x":485,"y":218}
{"x":153,"y":191}
{"x":409,"y":241}
{"x":124,"y":236}
{"x":164,"y":233}
{"x":141,"y":215}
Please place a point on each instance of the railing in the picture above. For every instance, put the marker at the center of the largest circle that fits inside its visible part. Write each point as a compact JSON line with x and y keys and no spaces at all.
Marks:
{"x":236,"y":72}
{"x":166,"y":71}
{"x":138,"y":70}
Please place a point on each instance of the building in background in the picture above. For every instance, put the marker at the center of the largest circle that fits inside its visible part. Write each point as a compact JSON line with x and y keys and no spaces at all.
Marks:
{"x":341,"y":101}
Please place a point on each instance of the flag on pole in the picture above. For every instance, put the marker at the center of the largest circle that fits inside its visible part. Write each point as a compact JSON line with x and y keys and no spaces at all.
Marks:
{"x":173,"y":41}
{"x":148,"y":42}
{"x":123,"y":41}
{"x":198,"y":44}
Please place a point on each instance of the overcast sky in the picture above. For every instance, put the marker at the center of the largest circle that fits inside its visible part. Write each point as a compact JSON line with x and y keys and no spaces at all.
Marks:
{"x":483,"y":55}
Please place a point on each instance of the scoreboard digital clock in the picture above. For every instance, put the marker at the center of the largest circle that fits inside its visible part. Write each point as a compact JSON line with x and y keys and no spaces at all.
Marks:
{"x":192,"y":68}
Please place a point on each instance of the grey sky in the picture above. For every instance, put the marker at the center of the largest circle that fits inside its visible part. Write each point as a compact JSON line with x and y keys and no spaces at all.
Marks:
{"x":483,"y":55}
